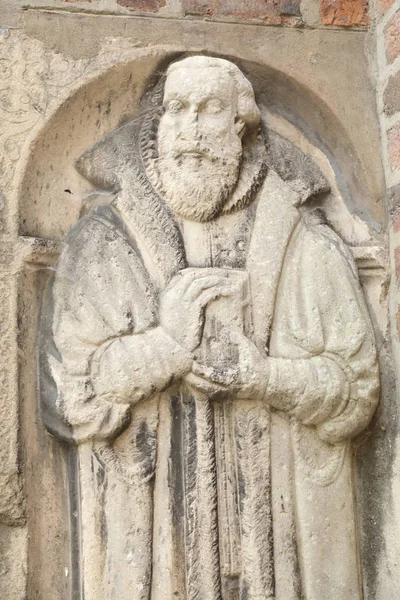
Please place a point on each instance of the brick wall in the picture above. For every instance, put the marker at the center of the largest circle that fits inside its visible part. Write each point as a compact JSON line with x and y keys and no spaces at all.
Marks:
{"x":292,"y":13}
{"x":387,"y":29}
{"x":344,"y":13}
{"x":387,"y":16}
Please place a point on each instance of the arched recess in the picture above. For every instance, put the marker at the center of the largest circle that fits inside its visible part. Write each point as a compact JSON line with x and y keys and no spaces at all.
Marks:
{"x":51,"y":189}
{"x":51,"y":196}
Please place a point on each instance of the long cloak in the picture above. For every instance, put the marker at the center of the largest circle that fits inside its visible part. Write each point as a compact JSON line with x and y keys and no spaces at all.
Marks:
{"x":309,"y":315}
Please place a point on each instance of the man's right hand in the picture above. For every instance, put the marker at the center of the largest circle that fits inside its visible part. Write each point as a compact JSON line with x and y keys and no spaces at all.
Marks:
{"x":183,"y":303}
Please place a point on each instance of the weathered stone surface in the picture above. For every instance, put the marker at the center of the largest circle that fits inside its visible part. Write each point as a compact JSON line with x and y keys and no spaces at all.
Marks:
{"x":13,"y":562}
{"x":345,"y":13}
{"x":268,"y":11}
{"x":65,"y":95}
{"x":197,"y":318}
{"x":143,"y":5}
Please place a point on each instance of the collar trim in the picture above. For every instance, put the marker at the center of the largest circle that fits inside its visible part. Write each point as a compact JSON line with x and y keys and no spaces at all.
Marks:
{"x":253,"y":169}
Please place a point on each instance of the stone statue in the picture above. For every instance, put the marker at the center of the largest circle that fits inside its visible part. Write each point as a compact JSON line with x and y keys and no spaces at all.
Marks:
{"x":208,"y":348}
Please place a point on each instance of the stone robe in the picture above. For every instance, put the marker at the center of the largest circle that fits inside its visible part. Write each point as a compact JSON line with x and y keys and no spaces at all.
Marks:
{"x":150,"y":458}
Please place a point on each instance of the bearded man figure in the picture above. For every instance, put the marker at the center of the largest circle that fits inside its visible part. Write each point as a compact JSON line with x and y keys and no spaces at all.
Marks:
{"x":209,"y":350}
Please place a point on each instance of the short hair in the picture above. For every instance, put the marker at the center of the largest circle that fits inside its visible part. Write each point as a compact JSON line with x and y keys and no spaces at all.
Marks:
{"x":247,"y":107}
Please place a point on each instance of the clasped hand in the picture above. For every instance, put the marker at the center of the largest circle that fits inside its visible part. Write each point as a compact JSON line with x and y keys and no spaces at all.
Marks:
{"x":182,"y":315}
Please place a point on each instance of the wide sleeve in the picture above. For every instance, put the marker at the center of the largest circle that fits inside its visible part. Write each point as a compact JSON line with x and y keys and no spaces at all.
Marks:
{"x":323,"y":365}
{"x":107,"y":350}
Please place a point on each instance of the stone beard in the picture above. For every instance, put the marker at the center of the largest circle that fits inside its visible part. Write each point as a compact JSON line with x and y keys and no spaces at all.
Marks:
{"x":197,"y":178}
{"x":212,"y":362}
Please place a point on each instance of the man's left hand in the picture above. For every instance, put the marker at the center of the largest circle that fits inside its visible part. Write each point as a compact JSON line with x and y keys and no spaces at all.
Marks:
{"x":246,"y":378}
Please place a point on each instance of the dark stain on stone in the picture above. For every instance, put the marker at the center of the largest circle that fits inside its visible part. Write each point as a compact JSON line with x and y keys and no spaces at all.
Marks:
{"x":176,"y":484}
{"x":75,"y":519}
{"x":145,"y":5}
{"x":297,"y":583}
{"x":102,"y":485}
{"x":267,"y":10}
{"x":145,"y":443}
{"x":374,"y":459}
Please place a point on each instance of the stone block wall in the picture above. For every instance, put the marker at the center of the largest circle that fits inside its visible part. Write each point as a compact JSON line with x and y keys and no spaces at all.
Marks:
{"x":50,"y":50}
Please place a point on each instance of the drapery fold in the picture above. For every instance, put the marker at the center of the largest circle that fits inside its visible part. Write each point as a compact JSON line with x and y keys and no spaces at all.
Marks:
{"x":297,"y":272}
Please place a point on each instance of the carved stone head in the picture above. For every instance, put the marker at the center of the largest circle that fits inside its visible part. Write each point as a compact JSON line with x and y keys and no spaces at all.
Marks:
{"x":208,"y":107}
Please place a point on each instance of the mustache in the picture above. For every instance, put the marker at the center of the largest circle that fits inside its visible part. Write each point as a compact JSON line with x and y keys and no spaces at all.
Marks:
{"x":201,"y":150}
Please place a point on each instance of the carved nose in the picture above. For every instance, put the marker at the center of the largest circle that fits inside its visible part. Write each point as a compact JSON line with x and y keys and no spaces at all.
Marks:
{"x":193,"y":115}
{"x":192,"y":121}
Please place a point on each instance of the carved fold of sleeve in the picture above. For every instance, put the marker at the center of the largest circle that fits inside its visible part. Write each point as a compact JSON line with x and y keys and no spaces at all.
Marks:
{"x":364,"y":396}
{"x":131,"y":368}
{"x":323,"y":362}
{"x":316,"y":391}
{"x":101,"y":291}
{"x":88,"y":416}
{"x":311,"y":390}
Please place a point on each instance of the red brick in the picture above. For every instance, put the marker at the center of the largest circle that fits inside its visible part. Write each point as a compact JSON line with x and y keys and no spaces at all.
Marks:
{"x":398,"y":319}
{"x":384,"y":5}
{"x":391,"y":97}
{"x":392,"y":36}
{"x":394,"y":207}
{"x":271,"y":11}
{"x":393,"y":137}
{"x":397,"y":262}
{"x":344,"y":13}
{"x":396,"y":224}
{"x":143,"y":5}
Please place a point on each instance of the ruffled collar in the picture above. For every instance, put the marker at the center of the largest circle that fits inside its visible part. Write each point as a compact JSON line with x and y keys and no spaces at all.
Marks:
{"x":253,"y":169}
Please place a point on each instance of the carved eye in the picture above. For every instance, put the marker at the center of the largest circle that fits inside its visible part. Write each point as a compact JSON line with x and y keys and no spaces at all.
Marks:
{"x":213,"y":106}
{"x":174,"y":107}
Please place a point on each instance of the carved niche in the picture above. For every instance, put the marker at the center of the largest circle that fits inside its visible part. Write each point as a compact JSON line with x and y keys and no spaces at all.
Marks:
{"x":208,"y":348}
